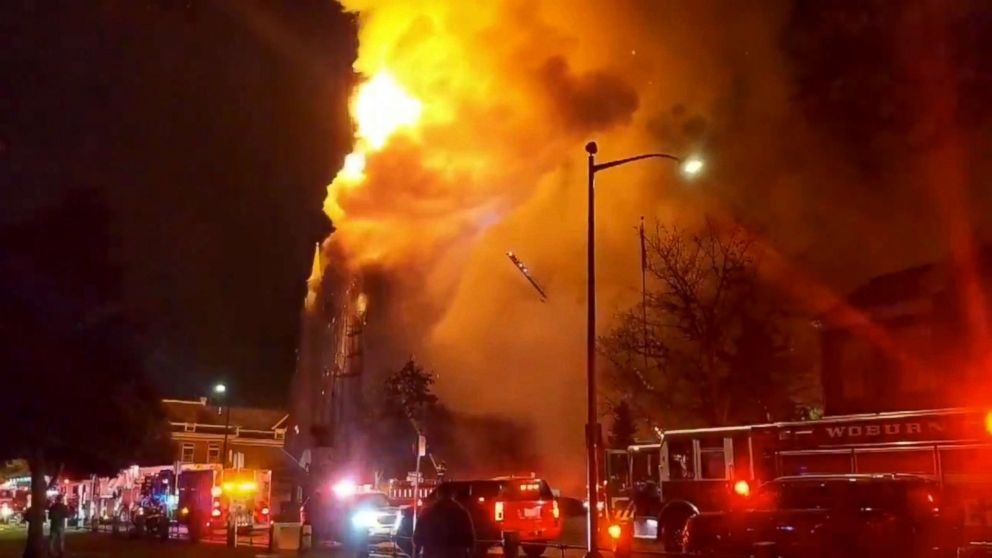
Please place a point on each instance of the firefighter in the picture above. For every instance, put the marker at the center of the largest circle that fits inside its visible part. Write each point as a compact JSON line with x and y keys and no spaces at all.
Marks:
{"x":444,"y":529}
{"x":57,"y":514}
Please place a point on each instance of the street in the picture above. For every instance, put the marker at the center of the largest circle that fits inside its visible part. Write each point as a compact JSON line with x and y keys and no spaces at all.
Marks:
{"x":85,"y":544}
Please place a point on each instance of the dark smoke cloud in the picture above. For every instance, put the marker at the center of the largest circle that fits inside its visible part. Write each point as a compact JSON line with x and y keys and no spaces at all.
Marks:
{"x":588,"y":102}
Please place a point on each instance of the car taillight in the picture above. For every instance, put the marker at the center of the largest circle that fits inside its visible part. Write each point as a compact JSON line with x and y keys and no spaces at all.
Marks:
{"x":215,"y":513}
{"x":742,"y":488}
{"x":555,"y":512}
{"x":499,"y":511}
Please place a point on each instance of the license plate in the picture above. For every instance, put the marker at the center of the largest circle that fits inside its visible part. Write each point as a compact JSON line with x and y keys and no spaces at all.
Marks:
{"x":532,"y":513}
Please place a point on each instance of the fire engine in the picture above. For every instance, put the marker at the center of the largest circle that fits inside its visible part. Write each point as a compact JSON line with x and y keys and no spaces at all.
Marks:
{"x":211,"y":497}
{"x":660,"y":485}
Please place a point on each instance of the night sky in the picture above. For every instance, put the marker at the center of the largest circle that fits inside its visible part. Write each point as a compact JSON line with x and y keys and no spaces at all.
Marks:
{"x":201,"y":137}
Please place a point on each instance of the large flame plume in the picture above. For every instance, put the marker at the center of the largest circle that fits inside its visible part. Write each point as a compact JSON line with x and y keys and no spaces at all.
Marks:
{"x":469,"y":125}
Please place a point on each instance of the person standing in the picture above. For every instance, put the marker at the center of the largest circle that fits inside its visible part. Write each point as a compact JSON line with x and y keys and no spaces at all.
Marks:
{"x":57,"y":514}
{"x":444,"y":529}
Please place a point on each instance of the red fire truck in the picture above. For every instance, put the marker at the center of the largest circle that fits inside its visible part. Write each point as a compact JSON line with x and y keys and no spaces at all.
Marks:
{"x":661,"y":485}
{"x":210,"y":498}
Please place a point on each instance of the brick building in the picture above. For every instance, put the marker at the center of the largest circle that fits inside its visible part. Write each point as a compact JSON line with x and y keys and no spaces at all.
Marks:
{"x":255,"y":439}
{"x":911,"y":339}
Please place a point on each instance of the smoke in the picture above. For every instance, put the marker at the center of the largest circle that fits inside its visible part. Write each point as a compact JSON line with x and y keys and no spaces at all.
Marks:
{"x":509,"y":92}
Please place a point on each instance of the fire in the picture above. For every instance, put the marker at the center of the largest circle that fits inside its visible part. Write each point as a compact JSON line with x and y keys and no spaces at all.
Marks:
{"x":353,"y":169}
{"x":381,"y":108}
{"x":468,"y":135}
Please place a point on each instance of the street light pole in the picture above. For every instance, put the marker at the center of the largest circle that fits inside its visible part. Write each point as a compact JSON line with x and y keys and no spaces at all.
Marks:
{"x":221,"y":391}
{"x":592,"y":418}
{"x":593,"y":428}
{"x":227,"y":428}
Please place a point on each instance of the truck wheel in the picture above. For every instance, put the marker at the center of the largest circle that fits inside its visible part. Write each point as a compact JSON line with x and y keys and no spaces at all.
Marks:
{"x":671,"y":525}
{"x":534,"y":551}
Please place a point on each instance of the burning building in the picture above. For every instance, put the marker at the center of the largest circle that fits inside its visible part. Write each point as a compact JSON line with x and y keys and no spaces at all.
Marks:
{"x":327,"y":388}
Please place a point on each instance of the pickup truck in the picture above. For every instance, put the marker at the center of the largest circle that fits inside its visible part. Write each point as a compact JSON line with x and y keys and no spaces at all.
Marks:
{"x":826,"y":516}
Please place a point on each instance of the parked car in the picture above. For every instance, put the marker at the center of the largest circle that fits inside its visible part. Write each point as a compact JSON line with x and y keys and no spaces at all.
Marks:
{"x":825,"y":516}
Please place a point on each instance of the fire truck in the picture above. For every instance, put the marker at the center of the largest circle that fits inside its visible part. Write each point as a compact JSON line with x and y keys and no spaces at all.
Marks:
{"x":211,"y":497}
{"x":660,"y":485}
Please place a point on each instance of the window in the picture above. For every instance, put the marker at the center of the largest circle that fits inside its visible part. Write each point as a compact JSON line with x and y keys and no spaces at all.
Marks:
{"x":712,"y":459}
{"x":712,"y":464}
{"x":213,"y":453}
{"x":187,"y":453}
{"x":680,"y":465}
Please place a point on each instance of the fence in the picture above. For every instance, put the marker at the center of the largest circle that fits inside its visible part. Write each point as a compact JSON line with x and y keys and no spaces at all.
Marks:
{"x":406,"y":494}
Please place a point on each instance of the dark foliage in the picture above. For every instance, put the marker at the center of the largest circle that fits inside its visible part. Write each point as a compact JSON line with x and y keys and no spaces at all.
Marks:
{"x":718,"y":348}
{"x":623,"y":427}
{"x":405,"y":406}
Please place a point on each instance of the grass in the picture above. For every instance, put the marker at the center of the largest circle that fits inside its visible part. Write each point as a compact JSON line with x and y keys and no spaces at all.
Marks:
{"x":82,"y":544}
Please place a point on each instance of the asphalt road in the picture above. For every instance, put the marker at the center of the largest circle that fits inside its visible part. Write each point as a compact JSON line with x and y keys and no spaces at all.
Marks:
{"x":83,"y":544}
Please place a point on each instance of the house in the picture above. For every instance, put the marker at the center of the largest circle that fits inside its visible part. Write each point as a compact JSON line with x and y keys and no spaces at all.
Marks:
{"x":909,"y":340}
{"x":255,"y":439}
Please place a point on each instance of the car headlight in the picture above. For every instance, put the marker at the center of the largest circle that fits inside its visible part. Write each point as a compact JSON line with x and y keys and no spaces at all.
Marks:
{"x":5,"y":510}
{"x":364,"y":519}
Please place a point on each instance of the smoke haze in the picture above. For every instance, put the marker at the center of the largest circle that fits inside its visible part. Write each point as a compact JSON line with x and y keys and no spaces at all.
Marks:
{"x":510,"y":93}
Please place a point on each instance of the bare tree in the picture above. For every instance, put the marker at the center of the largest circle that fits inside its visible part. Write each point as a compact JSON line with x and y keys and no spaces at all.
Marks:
{"x":714,"y":347}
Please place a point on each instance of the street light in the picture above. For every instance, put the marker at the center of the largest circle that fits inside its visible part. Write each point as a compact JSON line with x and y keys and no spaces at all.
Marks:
{"x":689,"y":167}
{"x":221,"y":391}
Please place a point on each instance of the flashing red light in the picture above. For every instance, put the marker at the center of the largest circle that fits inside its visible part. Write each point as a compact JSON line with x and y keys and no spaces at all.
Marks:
{"x":265,"y":511}
{"x":345,"y":488}
{"x":614,"y":531}
{"x":215,"y":513}
{"x":742,"y":488}
{"x":988,"y":422}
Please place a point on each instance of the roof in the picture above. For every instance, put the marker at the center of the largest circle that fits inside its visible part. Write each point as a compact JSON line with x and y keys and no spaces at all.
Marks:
{"x":906,"y":291}
{"x":895,"y":287}
{"x":199,"y":412}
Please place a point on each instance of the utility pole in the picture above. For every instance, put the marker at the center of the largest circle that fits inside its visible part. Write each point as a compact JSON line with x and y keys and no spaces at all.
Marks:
{"x":644,"y":294}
